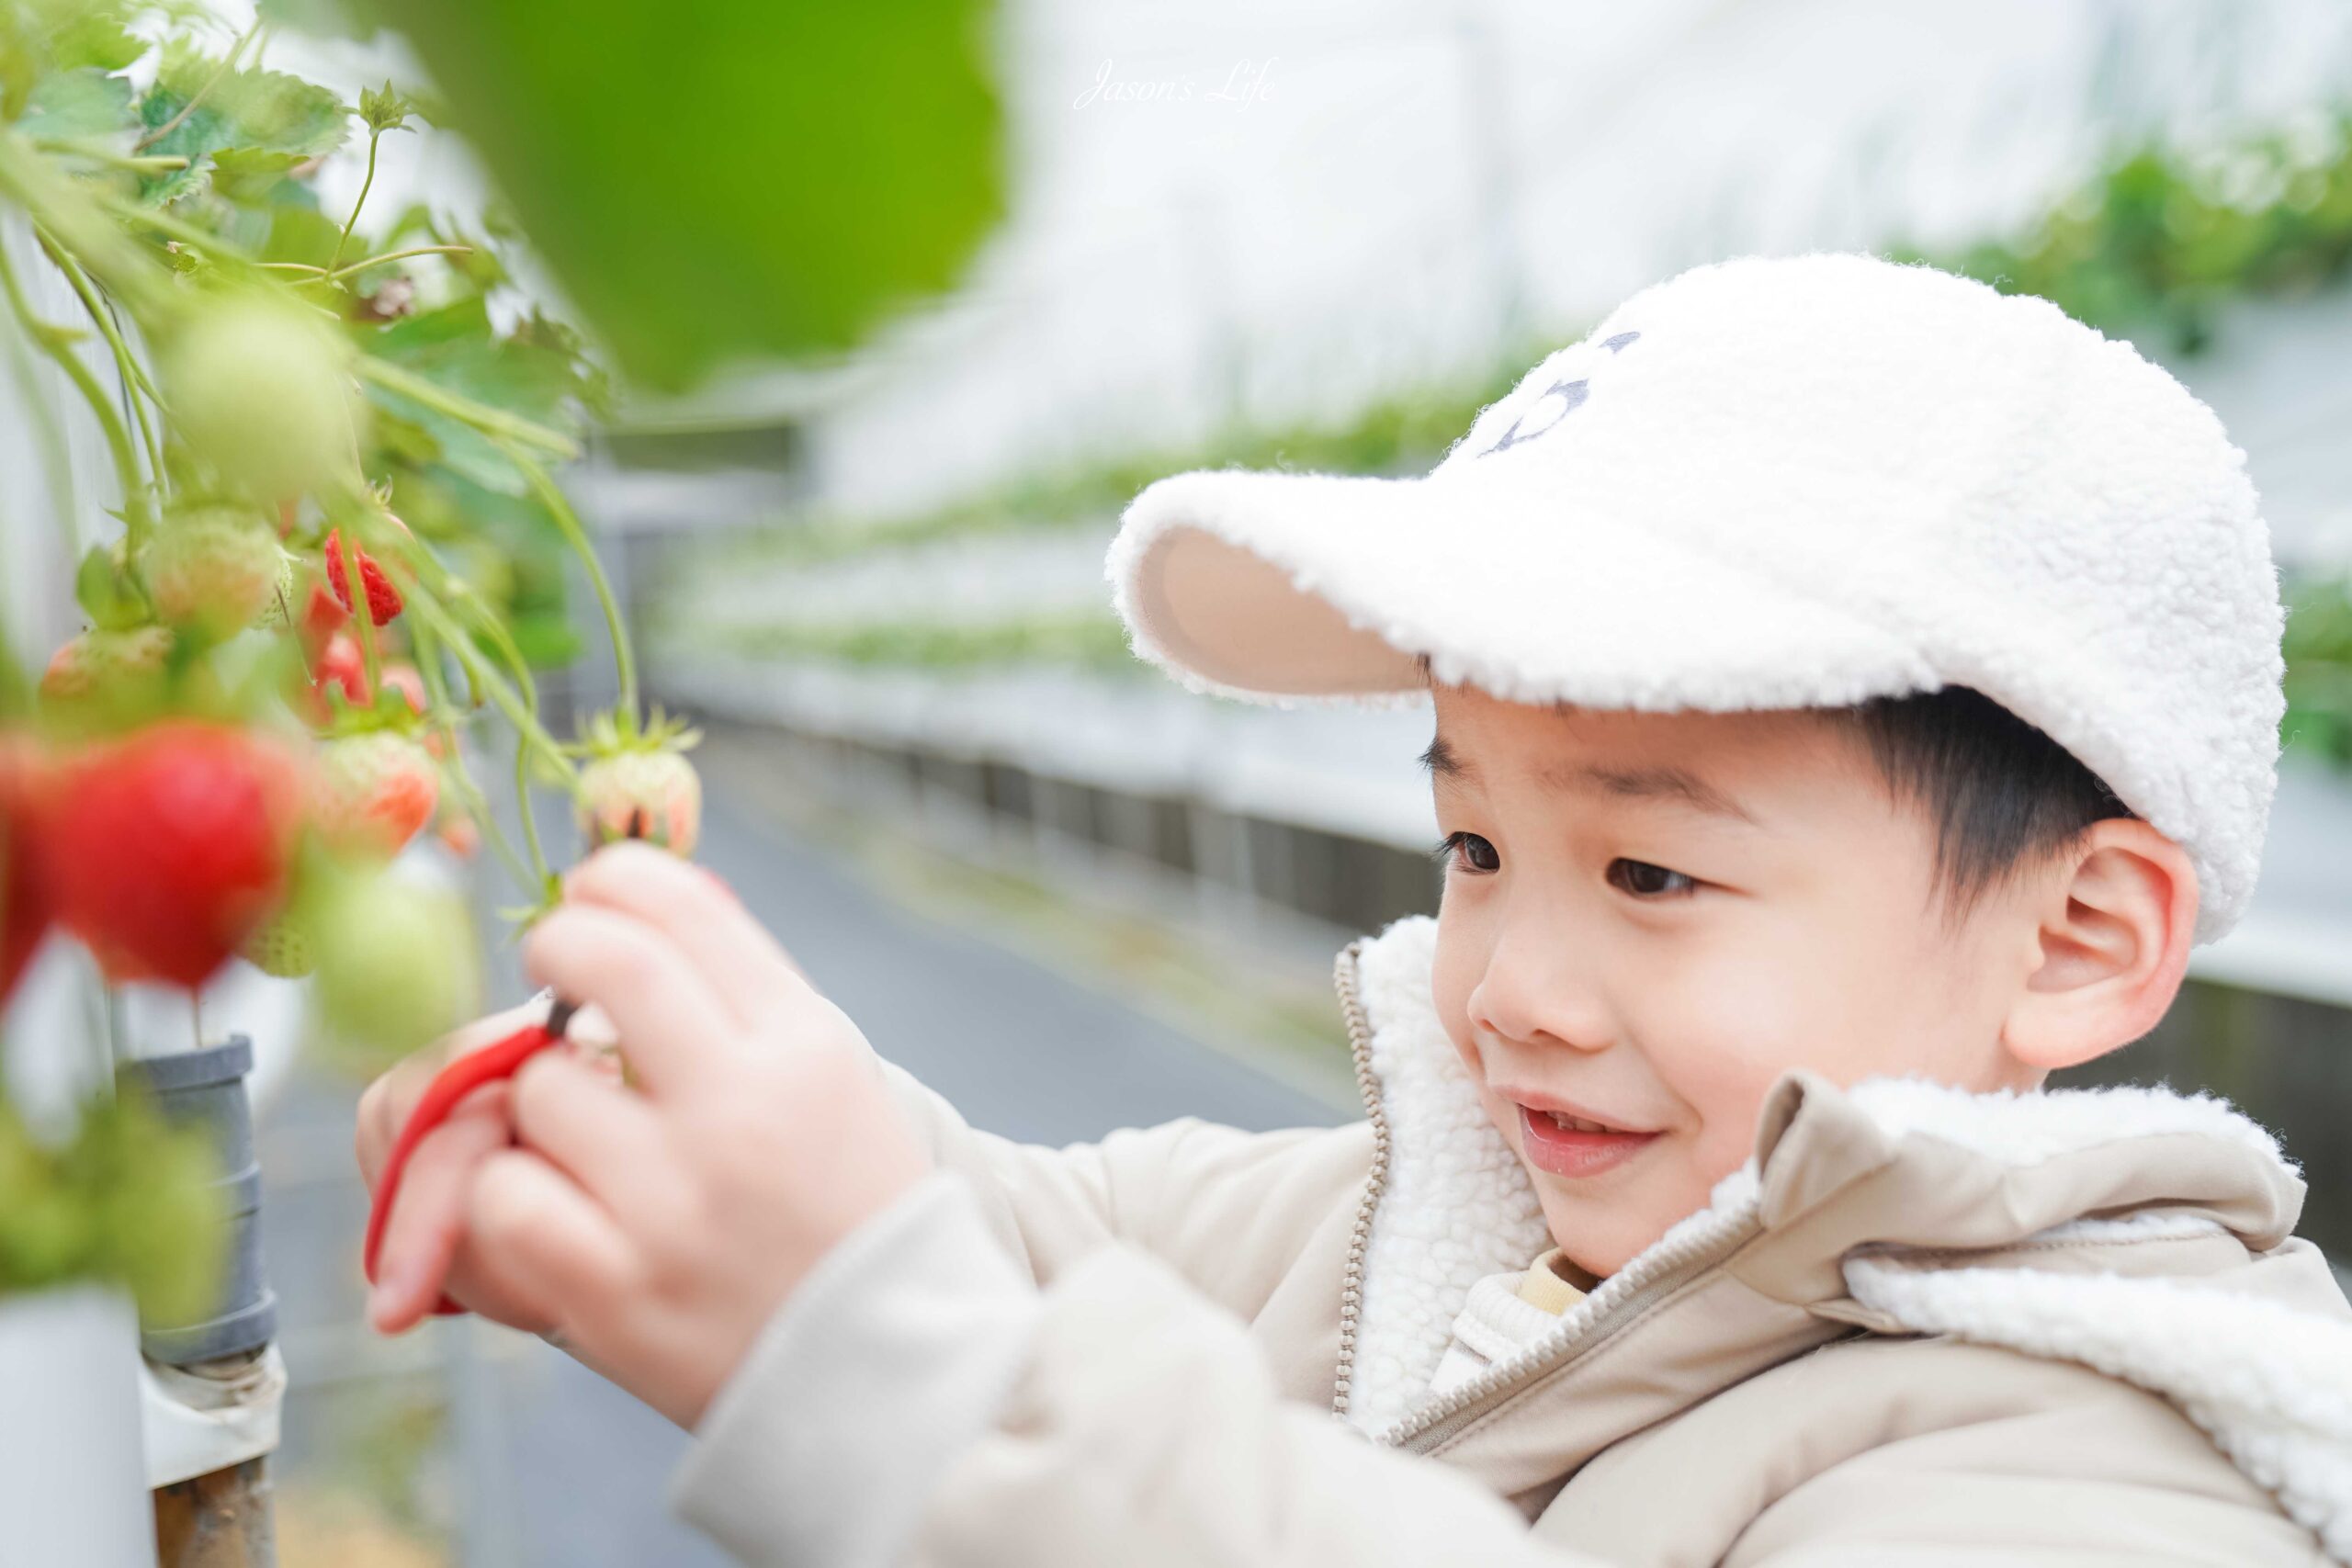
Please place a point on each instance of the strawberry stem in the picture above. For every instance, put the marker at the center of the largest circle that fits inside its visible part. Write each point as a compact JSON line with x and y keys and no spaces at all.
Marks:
{"x":355,"y":594}
{"x":529,"y":817}
{"x":365,"y":262}
{"x":375,"y":135}
{"x":126,"y":364}
{"x":568,"y":522}
{"x":429,"y":654}
{"x":54,"y":342}
{"x":490,"y":421}
{"x":521,"y":711}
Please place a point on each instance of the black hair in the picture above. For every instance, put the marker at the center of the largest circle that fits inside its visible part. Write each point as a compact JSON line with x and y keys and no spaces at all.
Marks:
{"x":2002,"y":796}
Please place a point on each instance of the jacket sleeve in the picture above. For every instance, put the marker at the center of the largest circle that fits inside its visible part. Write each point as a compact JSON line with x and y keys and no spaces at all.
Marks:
{"x":1229,"y":1210}
{"x":919,"y":1399}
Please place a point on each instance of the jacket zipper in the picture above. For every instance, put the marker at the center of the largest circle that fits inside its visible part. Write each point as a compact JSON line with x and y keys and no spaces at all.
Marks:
{"x":1650,"y":1277}
{"x":1344,"y":980}
{"x":1620,"y":1298}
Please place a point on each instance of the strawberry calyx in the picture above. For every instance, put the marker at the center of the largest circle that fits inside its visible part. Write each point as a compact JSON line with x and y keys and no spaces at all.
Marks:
{"x":346,"y":706}
{"x":615,"y":732}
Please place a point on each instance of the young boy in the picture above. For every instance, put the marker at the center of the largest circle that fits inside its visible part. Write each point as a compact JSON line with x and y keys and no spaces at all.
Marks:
{"x":1855,"y":691}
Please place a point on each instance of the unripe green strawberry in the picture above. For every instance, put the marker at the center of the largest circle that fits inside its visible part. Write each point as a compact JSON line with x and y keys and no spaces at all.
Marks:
{"x":654,"y":796}
{"x":165,"y":1216}
{"x":375,"y":792}
{"x":262,"y":390}
{"x":97,"y":659}
{"x":282,"y":948}
{"x":215,"y":568}
{"x":397,"y":963}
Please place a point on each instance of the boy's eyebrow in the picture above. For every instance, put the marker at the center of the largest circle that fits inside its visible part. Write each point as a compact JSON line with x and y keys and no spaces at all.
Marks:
{"x":1660,"y":782}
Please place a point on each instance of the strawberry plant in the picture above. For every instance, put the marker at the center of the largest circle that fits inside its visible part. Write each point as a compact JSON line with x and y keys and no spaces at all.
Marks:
{"x":331,"y":564}
{"x":221,"y":760}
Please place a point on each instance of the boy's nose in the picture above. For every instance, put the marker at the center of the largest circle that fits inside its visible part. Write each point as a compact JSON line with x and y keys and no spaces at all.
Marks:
{"x":1535,"y":992}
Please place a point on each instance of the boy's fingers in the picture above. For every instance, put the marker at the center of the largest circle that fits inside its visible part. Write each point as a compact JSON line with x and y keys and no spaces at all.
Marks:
{"x":470,"y":1287}
{"x":669,"y":1022}
{"x":601,"y":1136}
{"x":384,"y":1108}
{"x":428,"y":1216}
{"x":742,"y":962}
{"x":544,"y":1243}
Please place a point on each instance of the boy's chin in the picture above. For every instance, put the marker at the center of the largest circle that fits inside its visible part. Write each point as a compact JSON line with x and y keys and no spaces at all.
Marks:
{"x":1600,"y":1227}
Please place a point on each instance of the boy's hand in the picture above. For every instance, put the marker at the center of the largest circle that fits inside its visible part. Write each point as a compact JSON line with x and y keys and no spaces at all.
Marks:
{"x":426,"y":1252}
{"x":660,"y":1230}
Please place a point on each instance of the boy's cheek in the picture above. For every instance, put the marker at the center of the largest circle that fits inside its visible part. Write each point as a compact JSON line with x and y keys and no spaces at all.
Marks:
{"x":1504,"y":1114}
{"x":1454,"y":975}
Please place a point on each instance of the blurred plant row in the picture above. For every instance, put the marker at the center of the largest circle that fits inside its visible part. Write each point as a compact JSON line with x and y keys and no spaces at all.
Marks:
{"x":2152,"y":248}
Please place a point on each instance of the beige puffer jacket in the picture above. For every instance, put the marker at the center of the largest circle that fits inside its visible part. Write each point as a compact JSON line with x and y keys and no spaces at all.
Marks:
{"x":1921,"y":1326}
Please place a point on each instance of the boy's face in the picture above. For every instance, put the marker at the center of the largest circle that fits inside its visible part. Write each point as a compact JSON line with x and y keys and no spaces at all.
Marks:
{"x":1649,"y":918}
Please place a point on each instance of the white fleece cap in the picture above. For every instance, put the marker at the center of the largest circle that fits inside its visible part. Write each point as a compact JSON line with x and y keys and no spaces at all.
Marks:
{"x":1775,"y":482}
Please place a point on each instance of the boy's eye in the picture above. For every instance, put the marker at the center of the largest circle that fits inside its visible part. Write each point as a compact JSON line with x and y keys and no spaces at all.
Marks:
{"x":1470,"y":852}
{"x":1644,"y":880}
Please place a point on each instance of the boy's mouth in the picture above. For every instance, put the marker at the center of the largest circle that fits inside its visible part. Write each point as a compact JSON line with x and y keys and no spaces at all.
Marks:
{"x":1569,"y":1143}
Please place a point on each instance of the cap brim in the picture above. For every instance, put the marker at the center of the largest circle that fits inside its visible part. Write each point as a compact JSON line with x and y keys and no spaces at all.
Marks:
{"x":1277,"y":587}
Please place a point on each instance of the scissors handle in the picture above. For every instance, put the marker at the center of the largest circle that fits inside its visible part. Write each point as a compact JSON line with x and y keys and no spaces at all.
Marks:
{"x":449,"y":1086}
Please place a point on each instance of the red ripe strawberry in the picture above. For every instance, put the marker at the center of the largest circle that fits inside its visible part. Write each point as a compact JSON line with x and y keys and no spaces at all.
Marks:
{"x":375,"y":792}
{"x":24,"y":902}
{"x":383,"y":599}
{"x":322,"y":616}
{"x":460,"y":835}
{"x":96,"y":659}
{"x":340,"y":663}
{"x":216,"y":567}
{"x":408,"y":681}
{"x":166,"y":850}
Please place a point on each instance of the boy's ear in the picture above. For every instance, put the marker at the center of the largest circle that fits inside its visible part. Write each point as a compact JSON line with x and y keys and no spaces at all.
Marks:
{"x":2114,"y":919}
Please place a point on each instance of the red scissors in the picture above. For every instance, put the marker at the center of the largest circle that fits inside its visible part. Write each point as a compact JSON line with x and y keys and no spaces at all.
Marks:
{"x":448,"y":1088}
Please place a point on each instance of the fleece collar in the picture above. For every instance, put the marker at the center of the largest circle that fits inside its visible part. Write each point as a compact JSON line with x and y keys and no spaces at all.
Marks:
{"x":2271,"y":1385}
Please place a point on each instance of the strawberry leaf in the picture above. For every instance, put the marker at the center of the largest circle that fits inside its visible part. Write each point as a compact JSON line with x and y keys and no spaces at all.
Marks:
{"x":767,"y":179}
{"x":75,"y":104}
{"x":106,"y":592}
{"x":265,"y":111}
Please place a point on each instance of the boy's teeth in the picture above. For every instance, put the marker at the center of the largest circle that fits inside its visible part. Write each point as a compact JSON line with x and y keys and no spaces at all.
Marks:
{"x":1575,"y":1125}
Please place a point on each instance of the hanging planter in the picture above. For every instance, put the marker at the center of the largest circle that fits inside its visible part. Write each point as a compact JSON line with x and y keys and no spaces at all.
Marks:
{"x":72,"y":1470}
